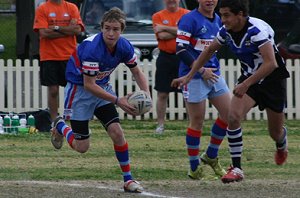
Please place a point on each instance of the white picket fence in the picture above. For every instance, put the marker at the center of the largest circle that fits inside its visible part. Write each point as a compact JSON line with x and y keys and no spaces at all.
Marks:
{"x":20,"y":89}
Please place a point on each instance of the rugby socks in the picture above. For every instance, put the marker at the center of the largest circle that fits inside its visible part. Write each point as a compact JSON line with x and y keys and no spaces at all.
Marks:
{"x":235,"y":141}
{"x":193,"y":146}
{"x":217,"y":135}
{"x":282,"y":144}
{"x":66,"y":131}
{"x":123,"y":158}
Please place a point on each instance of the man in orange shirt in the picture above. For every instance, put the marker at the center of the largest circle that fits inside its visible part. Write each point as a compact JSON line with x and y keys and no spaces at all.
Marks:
{"x":57,"y":22}
{"x":167,"y":63}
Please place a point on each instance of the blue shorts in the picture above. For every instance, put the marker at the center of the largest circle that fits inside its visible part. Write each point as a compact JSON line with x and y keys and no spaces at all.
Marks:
{"x":81,"y":104}
{"x":198,"y":90}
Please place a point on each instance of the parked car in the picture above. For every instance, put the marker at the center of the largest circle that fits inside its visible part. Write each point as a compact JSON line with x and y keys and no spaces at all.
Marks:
{"x":289,"y":47}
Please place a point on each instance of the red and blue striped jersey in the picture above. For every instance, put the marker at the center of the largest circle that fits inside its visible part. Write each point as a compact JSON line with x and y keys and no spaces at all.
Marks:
{"x":196,"y":32}
{"x":94,"y":59}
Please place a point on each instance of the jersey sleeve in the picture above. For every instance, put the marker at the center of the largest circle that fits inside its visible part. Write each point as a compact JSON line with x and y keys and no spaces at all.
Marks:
{"x":40,"y":19}
{"x":90,"y":65}
{"x":221,"y":36}
{"x":130,"y":58}
{"x":261,"y":37}
{"x":75,"y":14}
{"x":184,"y":31}
{"x":156,"y":20}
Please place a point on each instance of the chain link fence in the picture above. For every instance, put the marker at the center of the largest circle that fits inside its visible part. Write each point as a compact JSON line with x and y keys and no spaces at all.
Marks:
{"x":8,"y":29}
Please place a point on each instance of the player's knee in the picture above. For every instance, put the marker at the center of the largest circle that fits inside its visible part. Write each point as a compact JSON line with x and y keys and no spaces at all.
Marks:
{"x":163,"y":96}
{"x":119,"y":139}
{"x":196,"y":126}
{"x":53,"y":91}
{"x":117,"y":136}
{"x":234,"y":119}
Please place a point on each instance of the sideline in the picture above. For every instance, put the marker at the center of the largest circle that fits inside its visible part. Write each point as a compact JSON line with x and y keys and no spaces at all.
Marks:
{"x":82,"y":185}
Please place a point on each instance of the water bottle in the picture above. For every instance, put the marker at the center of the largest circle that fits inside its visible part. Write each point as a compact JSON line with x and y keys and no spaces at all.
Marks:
{"x":1,"y":125}
{"x":23,"y":123}
{"x":31,"y":121}
{"x":23,"y":128}
{"x":15,"y":123}
{"x":7,"y":124}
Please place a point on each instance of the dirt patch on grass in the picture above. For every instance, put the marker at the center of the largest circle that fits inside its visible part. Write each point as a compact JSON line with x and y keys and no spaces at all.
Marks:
{"x":189,"y":188}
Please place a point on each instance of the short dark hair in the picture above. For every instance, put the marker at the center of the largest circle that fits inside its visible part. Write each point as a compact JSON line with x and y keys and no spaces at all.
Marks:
{"x":114,"y":14}
{"x":236,"y":6}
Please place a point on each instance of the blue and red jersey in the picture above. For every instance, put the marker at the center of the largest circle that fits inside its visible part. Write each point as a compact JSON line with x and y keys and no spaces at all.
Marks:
{"x":196,"y":32}
{"x":93,"y":58}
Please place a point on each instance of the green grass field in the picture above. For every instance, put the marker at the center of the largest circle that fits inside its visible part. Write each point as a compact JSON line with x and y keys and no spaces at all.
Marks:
{"x":153,"y":157}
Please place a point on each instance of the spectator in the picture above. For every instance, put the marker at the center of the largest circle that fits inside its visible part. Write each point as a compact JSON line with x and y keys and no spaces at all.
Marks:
{"x":167,"y":63}
{"x":89,"y":93}
{"x":196,"y":31}
{"x":262,"y":81}
{"x":57,"y":22}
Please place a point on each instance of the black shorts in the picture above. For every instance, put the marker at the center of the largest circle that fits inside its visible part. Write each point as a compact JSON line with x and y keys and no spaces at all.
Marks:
{"x":53,"y":73}
{"x":107,"y":115}
{"x":167,"y":66}
{"x":269,"y":94}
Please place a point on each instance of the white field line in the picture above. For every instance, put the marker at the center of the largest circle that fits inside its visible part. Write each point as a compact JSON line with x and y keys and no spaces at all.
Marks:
{"x":81,"y":185}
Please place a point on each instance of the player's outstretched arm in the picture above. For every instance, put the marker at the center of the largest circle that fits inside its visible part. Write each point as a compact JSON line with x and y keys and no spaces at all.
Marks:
{"x":198,"y":66}
{"x":205,"y":55}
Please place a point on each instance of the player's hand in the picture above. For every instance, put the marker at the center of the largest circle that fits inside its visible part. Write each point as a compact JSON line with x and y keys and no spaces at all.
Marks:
{"x":179,"y":82}
{"x":209,"y":75}
{"x":240,"y":89}
{"x":125,"y":106}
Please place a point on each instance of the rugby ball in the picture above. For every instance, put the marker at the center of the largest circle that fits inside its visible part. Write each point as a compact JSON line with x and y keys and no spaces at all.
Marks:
{"x":141,"y":101}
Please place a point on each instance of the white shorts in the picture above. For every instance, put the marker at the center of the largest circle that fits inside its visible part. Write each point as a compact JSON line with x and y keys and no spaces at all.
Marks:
{"x":198,"y":90}
{"x":80,"y":104}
